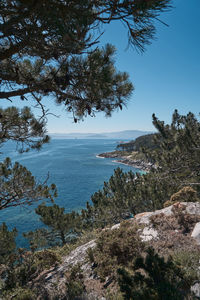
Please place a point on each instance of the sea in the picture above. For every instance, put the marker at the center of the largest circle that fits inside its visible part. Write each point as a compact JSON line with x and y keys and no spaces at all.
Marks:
{"x":73,"y":165}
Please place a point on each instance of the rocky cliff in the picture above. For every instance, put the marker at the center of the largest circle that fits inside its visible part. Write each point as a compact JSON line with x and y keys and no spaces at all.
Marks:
{"x":174,"y":228}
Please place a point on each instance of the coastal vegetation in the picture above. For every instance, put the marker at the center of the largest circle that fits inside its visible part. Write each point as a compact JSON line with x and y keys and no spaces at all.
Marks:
{"x":42,"y":56}
{"x":132,"y":152}
{"x":144,"y":141}
{"x":117,"y":255}
{"x":48,"y":49}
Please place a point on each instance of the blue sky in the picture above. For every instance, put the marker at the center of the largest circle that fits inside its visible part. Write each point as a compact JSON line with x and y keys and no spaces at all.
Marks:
{"x":165,"y":77}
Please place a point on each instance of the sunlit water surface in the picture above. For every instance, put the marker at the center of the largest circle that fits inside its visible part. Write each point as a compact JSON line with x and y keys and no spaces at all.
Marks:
{"x":72,"y":165}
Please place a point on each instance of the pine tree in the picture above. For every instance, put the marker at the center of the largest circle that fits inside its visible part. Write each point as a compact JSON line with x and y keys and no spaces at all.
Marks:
{"x":176,"y":160}
{"x":178,"y":157}
{"x":63,"y":226}
{"x":153,"y":278}
{"x":114,"y":202}
{"x":48,"y":48}
{"x":18,"y":186}
{"x":7,"y":242}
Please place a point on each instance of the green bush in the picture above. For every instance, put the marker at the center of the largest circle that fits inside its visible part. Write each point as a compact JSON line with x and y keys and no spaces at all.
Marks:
{"x":153,"y":278}
{"x":28,"y":265}
{"x":20,"y":294}
{"x":188,"y":262}
{"x":7,"y":243}
{"x":117,"y":247}
{"x":75,"y":282}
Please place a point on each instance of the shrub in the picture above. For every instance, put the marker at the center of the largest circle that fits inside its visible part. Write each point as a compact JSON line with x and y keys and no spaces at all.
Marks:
{"x":7,"y":243}
{"x":153,"y":278}
{"x":115,"y":248}
{"x":28,"y":265}
{"x":186,"y":194}
{"x":75,"y":283}
{"x":20,"y":294}
{"x":188,"y":262}
{"x":46,"y":259}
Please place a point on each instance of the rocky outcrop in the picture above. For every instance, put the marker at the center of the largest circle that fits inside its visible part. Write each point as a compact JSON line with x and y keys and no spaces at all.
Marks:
{"x":126,"y":160}
{"x":196,"y":233}
{"x":52,"y":283}
{"x":113,"y":154}
{"x":177,"y":221}
{"x":192,"y":208}
{"x":173,"y":228}
{"x":136,"y":163}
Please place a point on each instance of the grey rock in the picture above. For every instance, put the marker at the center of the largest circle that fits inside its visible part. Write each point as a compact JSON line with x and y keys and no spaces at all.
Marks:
{"x":148,"y":234}
{"x":196,"y":233}
{"x":196,"y":289}
{"x":53,"y":282}
{"x":191,"y":208}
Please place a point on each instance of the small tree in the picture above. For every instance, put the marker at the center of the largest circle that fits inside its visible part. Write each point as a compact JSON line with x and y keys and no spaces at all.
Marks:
{"x":153,"y":278}
{"x":178,"y":155}
{"x":114,"y":202}
{"x":124,"y":195}
{"x":7,"y":243}
{"x":63,"y":226}
{"x":19,"y":187}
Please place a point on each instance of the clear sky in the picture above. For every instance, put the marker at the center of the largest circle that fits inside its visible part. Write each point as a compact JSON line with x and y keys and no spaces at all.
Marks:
{"x":165,"y":77}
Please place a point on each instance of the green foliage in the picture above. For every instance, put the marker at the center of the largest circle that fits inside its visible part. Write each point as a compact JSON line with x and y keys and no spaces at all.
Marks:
{"x":46,"y":258}
{"x":90,"y":254}
{"x":20,"y":294}
{"x":188,"y":262}
{"x":24,"y":266}
{"x":7,"y":243}
{"x":153,"y":278}
{"x":50,"y":58}
{"x":18,"y":186}
{"x":114,"y":202}
{"x":117,"y":247}
{"x":21,"y":126}
{"x":75,"y":283}
{"x":176,"y":162}
{"x":64,"y":227}
{"x":145,"y":141}
{"x":124,"y":195}
{"x":38,"y":239}
{"x":152,"y":193}
{"x":178,"y":155}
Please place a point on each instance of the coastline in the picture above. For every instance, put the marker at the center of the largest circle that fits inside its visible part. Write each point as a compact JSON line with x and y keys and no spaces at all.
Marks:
{"x":137,"y":163}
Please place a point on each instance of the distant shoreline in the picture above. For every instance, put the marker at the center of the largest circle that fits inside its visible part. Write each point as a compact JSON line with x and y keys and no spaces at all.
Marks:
{"x":138,"y":164}
{"x":116,"y":135}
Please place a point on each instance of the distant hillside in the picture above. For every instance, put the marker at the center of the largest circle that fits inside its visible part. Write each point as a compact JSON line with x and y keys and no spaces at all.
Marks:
{"x":146,"y":141}
{"x":123,"y":135}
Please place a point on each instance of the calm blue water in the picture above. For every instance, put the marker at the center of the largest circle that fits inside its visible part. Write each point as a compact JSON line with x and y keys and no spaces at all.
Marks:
{"x":73,"y":167}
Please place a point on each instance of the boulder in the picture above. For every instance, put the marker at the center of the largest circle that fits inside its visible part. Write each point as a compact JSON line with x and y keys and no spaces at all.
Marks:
{"x":148,"y":234}
{"x":196,"y":289}
{"x":192,"y":208}
{"x":196,"y":233}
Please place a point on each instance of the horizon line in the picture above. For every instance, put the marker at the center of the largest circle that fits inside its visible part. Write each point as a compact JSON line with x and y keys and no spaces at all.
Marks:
{"x":103,"y":132}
